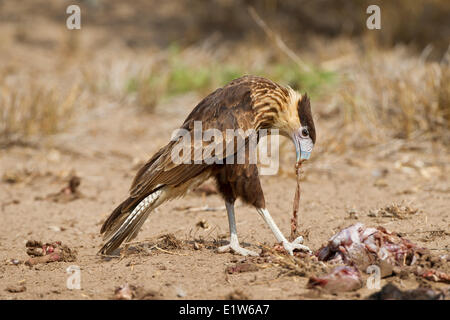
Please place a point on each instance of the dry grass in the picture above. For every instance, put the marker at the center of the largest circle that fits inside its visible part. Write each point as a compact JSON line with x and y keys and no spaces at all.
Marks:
{"x":381,"y":97}
{"x":362,"y":95}
{"x":378,"y":94}
{"x":32,"y":108}
{"x":393,"y":94}
{"x":205,"y":67}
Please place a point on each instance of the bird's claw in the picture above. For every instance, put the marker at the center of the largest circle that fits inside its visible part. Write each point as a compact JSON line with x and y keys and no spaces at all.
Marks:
{"x":296,"y":244}
{"x":237,"y":249}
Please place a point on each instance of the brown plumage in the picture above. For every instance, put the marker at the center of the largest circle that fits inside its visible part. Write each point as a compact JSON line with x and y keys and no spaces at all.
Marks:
{"x":246,"y":103}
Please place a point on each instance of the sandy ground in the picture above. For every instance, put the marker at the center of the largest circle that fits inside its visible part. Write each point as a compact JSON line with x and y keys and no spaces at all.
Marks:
{"x":105,"y":152}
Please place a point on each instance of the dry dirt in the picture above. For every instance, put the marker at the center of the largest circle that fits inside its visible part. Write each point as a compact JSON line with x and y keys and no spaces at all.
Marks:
{"x":105,"y":151}
{"x":109,"y":142}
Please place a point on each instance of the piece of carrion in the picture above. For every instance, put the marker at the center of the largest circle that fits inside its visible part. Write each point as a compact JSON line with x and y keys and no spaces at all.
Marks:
{"x":48,"y":252}
{"x":362,"y":246}
{"x":433,"y":275}
{"x":340,"y":279}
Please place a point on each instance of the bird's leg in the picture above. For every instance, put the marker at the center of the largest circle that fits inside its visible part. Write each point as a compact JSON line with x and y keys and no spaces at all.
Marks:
{"x":234,"y":245}
{"x":288,"y":246}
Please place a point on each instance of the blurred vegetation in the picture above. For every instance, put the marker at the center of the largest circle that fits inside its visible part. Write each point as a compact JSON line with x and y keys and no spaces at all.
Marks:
{"x":179,"y":75}
{"x":417,"y":23}
{"x":368,"y":85}
{"x":391,"y":94}
{"x":29,"y":109}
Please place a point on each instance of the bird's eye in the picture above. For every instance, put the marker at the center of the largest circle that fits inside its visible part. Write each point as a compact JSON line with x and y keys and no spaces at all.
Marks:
{"x":305,"y":132}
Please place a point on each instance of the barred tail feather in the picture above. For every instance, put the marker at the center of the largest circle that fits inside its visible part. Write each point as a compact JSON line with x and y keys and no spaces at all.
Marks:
{"x":125,"y":225}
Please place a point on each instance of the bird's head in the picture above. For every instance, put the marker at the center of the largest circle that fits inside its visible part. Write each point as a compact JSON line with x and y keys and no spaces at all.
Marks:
{"x":285,"y":109}
{"x":296,"y":122}
{"x":304,"y":136}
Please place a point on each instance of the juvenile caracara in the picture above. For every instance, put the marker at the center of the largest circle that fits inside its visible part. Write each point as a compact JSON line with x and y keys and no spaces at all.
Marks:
{"x":249,"y":102}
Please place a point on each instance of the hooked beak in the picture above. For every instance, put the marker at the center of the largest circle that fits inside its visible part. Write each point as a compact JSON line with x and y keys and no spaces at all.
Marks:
{"x":303,"y":146}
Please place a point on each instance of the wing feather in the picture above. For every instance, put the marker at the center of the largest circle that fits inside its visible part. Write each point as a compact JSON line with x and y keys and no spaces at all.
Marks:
{"x":230,"y":107}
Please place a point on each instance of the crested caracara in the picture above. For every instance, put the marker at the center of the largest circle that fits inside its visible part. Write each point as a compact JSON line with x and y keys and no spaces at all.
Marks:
{"x":246,"y":103}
